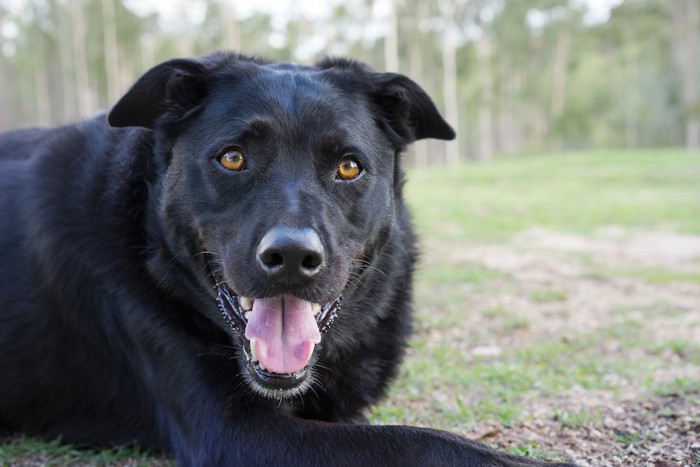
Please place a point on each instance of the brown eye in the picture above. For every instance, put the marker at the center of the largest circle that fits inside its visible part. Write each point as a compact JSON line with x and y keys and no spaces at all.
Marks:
{"x":233,"y":160}
{"x":349,"y":169}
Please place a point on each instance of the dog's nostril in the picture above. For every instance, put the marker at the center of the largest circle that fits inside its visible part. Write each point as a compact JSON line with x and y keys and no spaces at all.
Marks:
{"x":312,"y":262}
{"x":273,"y":259}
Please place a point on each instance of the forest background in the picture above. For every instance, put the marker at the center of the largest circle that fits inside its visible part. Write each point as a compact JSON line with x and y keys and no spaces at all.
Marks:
{"x":512,"y":76}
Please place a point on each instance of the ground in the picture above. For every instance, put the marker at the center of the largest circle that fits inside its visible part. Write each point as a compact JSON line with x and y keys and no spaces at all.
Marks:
{"x":559,"y":307}
{"x":547,"y":286}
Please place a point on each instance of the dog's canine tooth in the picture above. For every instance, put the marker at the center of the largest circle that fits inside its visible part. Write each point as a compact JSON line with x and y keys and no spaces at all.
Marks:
{"x":246,"y":303}
{"x":315,"y":308}
{"x":254,"y":350}
{"x":247,"y":315}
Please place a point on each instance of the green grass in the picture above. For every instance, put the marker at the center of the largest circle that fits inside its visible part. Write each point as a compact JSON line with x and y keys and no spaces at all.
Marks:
{"x":634,"y":438}
{"x":579,"y":418}
{"x":55,"y":453}
{"x":442,"y":385}
{"x":531,"y":449}
{"x":653,"y":275}
{"x":548,"y":296}
{"x":661,"y":276}
{"x":463,"y":272}
{"x":574,"y":192}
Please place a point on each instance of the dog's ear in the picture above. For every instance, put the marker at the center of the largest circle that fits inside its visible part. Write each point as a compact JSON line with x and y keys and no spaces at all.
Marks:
{"x":408,"y":110}
{"x":174,"y":87}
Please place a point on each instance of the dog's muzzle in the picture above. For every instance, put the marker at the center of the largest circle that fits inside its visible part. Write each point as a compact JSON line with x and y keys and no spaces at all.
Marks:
{"x":279,"y":337}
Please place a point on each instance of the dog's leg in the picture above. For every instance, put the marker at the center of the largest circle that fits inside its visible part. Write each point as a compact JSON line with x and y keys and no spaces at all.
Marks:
{"x":262,"y":439}
{"x":207,"y":423}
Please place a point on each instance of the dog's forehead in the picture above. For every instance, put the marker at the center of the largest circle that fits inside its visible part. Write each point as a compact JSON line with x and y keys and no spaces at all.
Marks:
{"x":292,"y":94}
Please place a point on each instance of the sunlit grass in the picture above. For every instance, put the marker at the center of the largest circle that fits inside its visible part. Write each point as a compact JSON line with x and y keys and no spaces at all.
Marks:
{"x":570,"y":192}
{"x":638,"y":191}
{"x":34,"y":451}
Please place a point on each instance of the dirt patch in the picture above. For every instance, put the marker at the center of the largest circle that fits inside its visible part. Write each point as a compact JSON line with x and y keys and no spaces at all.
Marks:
{"x":561,"y":285}
{"x":582,"y":282}
{"x":661,"y":248}
{"x":654,"y":433}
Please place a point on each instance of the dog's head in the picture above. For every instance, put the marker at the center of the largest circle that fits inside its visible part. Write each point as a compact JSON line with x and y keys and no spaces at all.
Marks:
{"x":280,"y":185}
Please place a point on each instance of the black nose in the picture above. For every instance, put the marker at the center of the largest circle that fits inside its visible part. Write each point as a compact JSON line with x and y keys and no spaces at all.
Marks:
{"x":290,"y":255}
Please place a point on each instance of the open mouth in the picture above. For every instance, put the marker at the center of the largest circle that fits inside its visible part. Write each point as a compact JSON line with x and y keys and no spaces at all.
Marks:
{"x":279,"y":336}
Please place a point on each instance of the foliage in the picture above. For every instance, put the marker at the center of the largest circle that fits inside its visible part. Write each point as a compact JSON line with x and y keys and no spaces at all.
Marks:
{"x":530,"y":76}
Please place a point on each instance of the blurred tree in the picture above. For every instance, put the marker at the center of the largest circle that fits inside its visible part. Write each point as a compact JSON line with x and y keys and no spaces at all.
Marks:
{"x":510,"y":76}
{"x":685,"y":15}
{"x":453,"y":14}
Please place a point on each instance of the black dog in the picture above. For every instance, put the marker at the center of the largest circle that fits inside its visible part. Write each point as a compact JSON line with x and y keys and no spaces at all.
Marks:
{"x":220,"y":268}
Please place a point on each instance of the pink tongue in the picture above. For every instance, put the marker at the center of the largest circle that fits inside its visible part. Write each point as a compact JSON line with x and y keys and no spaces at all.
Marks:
{"x":285,"y":331}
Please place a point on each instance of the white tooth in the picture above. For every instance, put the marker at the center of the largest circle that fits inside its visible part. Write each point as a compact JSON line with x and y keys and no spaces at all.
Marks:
{"x":312,"y":347}
{"x":262,"y":367}
{"x":247,"y":315}
{"x":254,"y":350}
{"x":246,"y":303}
{"x":315,"y":308}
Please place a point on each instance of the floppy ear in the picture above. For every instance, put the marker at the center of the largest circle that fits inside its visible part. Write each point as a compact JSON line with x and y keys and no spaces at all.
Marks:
{"x":174,"y":87}
{"x":408,"y":110}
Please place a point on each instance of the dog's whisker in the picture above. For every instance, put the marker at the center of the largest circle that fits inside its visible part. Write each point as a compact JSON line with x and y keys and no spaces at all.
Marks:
{"x":204,"y":252}
{"x":368,"y":266}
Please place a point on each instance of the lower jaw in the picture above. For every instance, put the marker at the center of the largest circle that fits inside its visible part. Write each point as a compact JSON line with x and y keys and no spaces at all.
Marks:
{"x":276,"y":385}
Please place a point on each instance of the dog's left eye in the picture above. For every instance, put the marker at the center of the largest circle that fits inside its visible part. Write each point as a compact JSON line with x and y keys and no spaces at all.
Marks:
{"x":349,"y":168}
{"x":233,"y":159}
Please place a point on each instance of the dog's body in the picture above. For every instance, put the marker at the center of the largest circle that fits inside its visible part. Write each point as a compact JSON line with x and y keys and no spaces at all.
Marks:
{"x":223,"y":270}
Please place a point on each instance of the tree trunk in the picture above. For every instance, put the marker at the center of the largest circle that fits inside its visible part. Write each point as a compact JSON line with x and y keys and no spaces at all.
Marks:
{"x":41,"y":87}
{"x":485,"y":140}
{"x":66,"y":57}
{"x":80,"y":61}
{"x":420,"y":148}
{"x":391,"y":41}
{"x":561,"y":72}
{"x":111,"y":51}
{"x":685,"y":16}
{"x":231,"y":28}
{"x":449,"y":83}
{"x":692,"y":76}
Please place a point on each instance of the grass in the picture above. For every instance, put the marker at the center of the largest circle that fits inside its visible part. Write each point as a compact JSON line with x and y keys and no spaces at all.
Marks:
{"x":634,"y":438}
{"x":531,"y":449}
{"x":653,"y":275}
{"x":55,"y":453}
{"x":464,"y":272}
{"x":441,"y":383}
{"x":548,"y":296}
{"x":577,"y":418}
{"x":634,"y":190}
{"x":497,"y":386}
{"x":574,"y":192}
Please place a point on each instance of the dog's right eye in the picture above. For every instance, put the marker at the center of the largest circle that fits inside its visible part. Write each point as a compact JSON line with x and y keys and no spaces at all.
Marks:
{"x":349,"y":168}
{"x":233,"y":159}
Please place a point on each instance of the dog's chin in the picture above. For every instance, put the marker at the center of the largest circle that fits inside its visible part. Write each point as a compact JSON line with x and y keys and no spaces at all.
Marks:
{"x":280,"y":384}
{"x":275,"y":385}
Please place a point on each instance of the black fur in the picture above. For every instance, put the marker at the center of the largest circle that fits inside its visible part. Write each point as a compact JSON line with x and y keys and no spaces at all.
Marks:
{"x":115,"y":231}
